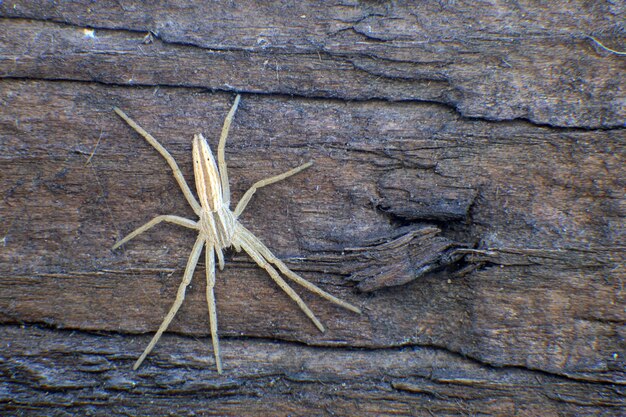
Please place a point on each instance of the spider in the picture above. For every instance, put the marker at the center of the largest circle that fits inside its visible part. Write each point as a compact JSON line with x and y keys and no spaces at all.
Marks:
{"x":219,"y":228}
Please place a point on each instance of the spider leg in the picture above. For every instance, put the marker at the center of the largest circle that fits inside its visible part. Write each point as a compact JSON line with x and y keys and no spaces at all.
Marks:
{"x":210,"y":298}
{"x":260,"y":261}
{"x":180,"y":296}
{"x":172,"y":163}
{"x":181,"y":221}
{"x":262,"y":183}
{"x":220,"y":258}
{"x":270,"y":257}
{"x":221,"y":160}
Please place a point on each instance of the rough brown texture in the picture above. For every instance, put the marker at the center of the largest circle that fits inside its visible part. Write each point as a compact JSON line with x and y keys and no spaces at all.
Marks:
{"x":469,"y":174}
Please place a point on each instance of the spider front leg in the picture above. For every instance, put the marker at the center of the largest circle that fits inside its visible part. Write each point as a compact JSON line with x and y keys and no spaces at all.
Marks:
{"x":221,"y":159}
{"x":178,"y":175}
{"x":223,"y":169}
{"x":180,"y":296}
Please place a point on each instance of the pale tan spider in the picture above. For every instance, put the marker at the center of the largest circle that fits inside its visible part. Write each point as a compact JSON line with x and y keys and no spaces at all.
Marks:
{"x":218,"y":229}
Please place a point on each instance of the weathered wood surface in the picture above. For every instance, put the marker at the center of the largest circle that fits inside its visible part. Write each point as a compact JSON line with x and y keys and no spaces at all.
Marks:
{"x":500,"y":126}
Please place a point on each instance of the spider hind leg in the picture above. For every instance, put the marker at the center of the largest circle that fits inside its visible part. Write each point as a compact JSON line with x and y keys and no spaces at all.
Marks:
{"x":260,"y":261}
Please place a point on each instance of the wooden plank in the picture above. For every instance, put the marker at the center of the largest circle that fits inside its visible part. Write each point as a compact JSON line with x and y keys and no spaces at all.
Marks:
{"x":487,"y":200}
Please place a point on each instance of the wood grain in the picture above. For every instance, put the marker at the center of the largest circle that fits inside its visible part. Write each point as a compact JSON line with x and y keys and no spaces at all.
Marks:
{"x":474,"y":155}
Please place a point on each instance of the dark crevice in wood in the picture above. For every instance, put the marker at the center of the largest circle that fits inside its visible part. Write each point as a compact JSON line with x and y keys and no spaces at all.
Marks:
{"x":330,"y":99}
